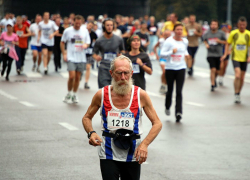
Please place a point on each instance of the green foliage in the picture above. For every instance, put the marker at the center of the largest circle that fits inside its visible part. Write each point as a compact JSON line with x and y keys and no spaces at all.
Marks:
{"x":203,"y":9}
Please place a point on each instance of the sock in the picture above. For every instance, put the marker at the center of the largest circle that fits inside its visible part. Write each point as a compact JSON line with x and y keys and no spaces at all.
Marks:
{"x":74,"y":93}
{"x":69,"y":92}
{"x":237,"y":93}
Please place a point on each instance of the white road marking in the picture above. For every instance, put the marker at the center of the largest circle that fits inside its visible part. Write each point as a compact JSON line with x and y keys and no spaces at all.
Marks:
{"x":195,"y":104}
{"x":33,"y":75}
{"x":68,"y":126}
{"x":26,"y":103}
{"x":156,"y":95}
{"x":95,"y":73}
{"x":201,"y":74}
{"x":65,"y":74}
{"x":7,"y":95}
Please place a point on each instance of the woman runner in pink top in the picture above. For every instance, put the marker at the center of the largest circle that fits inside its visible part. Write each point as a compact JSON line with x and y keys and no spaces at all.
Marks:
{"x":8,"y":40}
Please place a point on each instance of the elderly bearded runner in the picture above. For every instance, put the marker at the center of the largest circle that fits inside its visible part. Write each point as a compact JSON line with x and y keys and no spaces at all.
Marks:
{"x":121,"y":151}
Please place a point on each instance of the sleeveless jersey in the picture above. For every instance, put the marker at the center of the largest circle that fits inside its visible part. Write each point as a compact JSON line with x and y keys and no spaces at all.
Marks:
{"x":108,"y":150}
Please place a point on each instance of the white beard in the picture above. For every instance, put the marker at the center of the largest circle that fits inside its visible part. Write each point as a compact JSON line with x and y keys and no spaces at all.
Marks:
{"x":122,"y":89}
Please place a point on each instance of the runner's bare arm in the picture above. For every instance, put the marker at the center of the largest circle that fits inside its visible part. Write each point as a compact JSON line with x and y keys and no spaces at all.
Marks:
{"x":94,"y":140}
{"x":206,"y":44}
{"x":248,"y":59}
{"x":225,"y":51}
{"x":97,"y":57}
{"x":53,"y":34}
{"x":64,"y":52}
{"x":39,"y":35}
{"x":142,"y":150}
{"x":28,"y":33}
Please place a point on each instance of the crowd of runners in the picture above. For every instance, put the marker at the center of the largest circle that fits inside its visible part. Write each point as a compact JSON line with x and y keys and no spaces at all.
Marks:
{"x":84,"y":42}
{"x":122,"y":48}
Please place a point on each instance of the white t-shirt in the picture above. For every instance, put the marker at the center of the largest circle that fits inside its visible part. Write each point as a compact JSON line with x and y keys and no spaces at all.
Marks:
{"x":118,"y":32}
{"x":47,"y":30}
{"x":174,"y":61}
{"x":83,"y":26}
{"x":98,"y":32}
{"x":4,"y":22}
{"x":34,"y":28}
{"x":75,"y":39}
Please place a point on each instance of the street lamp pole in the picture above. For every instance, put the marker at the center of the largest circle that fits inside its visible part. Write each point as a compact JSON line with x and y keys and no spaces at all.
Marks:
{"x":229,"y":11}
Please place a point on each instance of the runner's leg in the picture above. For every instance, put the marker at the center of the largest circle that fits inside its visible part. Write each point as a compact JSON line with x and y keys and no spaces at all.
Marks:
{"x":71,"y":79}
{"x":109,"y":169}
{"x":242,"y":77}
{"x":180,"y":78}
{"x":170,"y":77}
{"x":77,"y":81}
{"x":130,"y":170}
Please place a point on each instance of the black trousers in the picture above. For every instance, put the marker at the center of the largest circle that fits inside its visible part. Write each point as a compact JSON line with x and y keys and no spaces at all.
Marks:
{"x":7,"y":62}
{"x":112,"y":170}
{"x":57,"y":56}
{"x":21,"y":52}
{"x":178,"y":77}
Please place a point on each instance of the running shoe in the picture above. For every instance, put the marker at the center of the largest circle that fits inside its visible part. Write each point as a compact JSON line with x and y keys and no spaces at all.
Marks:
{"x":237,"y":99}
{"x":212,"y":88}
{"x":67,"y":98}
{"x":162,"y":89}
{"x":167,"y":112}
{"x":22,"y":69}
{"x":190,"y":72}
{"x":34,"y":67}
{"x":18,"y":71}
{"x":45,"y":71}
{"x":7,"y":78}
{"x":86,"y":86}
{"x":38,"y":70}
{"x":178,"y":117}
{"x":74,"y":99}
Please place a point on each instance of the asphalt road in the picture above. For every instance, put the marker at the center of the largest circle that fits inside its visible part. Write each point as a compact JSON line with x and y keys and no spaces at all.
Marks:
{"x":42,"y":138}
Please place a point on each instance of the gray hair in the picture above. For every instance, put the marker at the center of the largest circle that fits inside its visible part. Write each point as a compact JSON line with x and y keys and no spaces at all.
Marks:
{"x":121,"y":57}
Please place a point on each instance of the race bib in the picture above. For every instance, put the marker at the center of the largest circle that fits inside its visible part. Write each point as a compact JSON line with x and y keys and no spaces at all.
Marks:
{"x":191,"y":32}
{"x":136,"y":68}
{"x":46,"y":34}
{"x":212,"y":41}
{"x":89,"y":51}
{"x":120,"y":120}
{"x":176,"y":58}
{"x":19,"y":33}
{"x":78,"y":48}
{"x":153,"y":29}
{"x":240,"y":47}
{"x":109,"y":56}
{"x":143,"y":42}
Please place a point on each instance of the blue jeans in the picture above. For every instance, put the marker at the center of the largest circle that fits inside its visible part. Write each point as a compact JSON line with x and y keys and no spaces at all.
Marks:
{"x":153,"y":40}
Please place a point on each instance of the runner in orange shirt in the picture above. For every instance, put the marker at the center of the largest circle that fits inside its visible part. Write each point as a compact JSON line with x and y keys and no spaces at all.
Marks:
{"x":23,"y":33}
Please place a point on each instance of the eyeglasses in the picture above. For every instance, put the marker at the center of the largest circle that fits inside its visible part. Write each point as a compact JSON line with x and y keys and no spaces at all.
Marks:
{"x":122,"y":72}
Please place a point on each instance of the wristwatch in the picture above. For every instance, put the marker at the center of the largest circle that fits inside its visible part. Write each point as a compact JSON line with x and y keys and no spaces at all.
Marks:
{"x":91,"y":132}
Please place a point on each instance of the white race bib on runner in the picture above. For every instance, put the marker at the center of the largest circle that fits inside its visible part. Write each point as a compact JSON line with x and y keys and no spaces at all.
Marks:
{"x":240,"y":47}
{"x":109,"y":56}
{"x":212,"y":41}
{"x":191,"y":32}
{"x":19,"y":33}
{"x":89,"y":51}
{"x":176,"y":58}
{"x":136,"y":68}
{"x":143,"y":42}
{"x":120,"y":120}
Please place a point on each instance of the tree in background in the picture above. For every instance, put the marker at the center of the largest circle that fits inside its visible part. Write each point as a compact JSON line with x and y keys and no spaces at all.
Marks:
{"x":205,"y":10}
